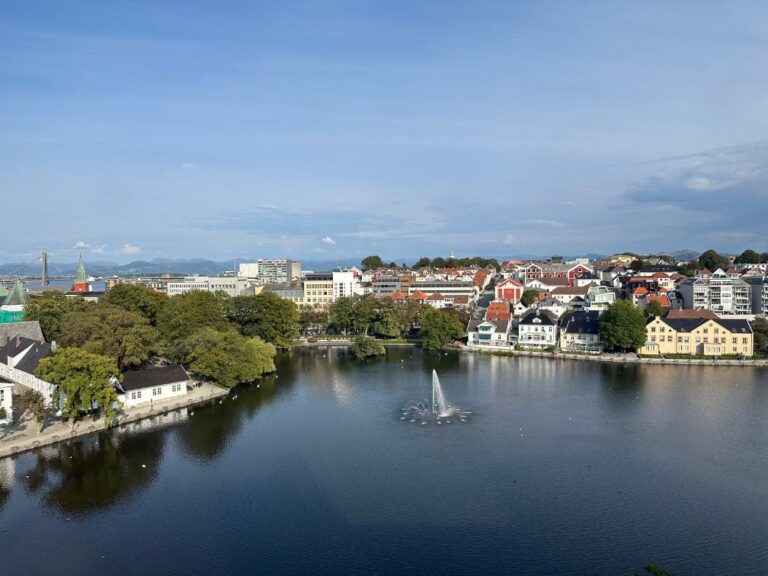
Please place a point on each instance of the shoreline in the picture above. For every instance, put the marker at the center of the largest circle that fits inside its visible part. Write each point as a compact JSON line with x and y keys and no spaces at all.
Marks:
{"x":618,"y":359}
{"x":15,"y":440}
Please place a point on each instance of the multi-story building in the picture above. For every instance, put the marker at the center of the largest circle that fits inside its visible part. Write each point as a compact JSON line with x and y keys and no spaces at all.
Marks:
{"x":318,"y":289}
{"x":537,"y":329}
{"x":706,"y":335}
{"x":385,"y":285}
{"x":270,"y":271}
{"x":488,"y":333}
{"x":548,"y":270}
{"x":229,"y":284}
{"x":446,"y":288}
{"x":719,"y":292}
{"x":293,"y":291}
{"x":510,"y":290}
{"x":600,"y":297}
{"x":759,"y":294}
{"x":580,"y":332}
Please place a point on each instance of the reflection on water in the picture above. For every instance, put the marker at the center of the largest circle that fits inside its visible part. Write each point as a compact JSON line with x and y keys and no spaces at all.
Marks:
{"x":94,"y":473}
{"x":565,"y":467}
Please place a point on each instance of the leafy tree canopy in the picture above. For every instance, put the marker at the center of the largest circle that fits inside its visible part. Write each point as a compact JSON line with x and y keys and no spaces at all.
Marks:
{"x":438,"y":328}
{"x":711,"y":260}
{"x":529,"y":297}
{"x":268,"y":316}
{"x":749,"y":257}
{"x":111,"y":331}
{"x":229,"y":358}
{"x":85,"y":380}
{"x":364,"y":346}
{"x":137,"y":298}
{"x":654,"y":308}
{"x":622,"y":327}
{"x":372,"y":263}
{"x":50,"y":310}
{"x":183,"y":315}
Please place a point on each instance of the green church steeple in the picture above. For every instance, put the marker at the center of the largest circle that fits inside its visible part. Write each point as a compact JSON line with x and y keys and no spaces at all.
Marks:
{"x":80,"y":276}
{"x":18,"y":295}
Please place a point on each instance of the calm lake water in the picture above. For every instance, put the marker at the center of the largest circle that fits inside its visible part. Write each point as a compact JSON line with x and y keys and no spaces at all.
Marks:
{"x":564,"y":468}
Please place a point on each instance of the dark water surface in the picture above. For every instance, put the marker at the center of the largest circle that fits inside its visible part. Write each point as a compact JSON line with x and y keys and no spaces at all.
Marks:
{"x":564,"y":468}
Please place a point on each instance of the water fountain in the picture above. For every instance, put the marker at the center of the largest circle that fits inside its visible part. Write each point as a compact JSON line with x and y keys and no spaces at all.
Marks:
{"x":439,"y":411}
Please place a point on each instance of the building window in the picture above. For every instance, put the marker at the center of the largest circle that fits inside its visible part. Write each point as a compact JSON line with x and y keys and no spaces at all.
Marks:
{"x":133,"y":395}
{"x":157,"y":391}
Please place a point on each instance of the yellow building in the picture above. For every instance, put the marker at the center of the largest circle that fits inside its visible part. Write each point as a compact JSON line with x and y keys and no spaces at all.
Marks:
{"x":702,"y":336}
{"x":318,"y":289}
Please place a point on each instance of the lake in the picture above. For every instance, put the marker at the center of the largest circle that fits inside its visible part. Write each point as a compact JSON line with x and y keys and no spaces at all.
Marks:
{"x":563,"y":468}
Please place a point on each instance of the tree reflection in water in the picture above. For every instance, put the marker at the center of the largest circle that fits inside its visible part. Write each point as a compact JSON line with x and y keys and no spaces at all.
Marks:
{"x":96,"y":472}
{"x":206,"y":435}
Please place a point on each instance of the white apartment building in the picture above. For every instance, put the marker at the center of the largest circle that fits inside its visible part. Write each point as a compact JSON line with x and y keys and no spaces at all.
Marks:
{"x":721,"y":293}
{"x":233,"y":286}
{"x":270,"y":271}
{"x":537,"y":329}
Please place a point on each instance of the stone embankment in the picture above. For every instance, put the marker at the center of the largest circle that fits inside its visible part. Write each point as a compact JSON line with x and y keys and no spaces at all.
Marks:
{"x":618,"y":358}
{"x":25,"y":434}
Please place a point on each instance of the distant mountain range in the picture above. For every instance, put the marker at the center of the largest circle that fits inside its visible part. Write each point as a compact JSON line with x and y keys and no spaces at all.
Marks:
{"x":206,"y":267}
{"x":152,"y":267}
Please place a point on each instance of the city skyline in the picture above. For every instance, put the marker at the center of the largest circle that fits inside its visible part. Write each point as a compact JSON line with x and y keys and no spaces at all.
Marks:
{"x":342,"y":130}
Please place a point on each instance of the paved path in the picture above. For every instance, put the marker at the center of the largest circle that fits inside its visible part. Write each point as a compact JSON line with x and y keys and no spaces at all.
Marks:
{"x":25,"y":434}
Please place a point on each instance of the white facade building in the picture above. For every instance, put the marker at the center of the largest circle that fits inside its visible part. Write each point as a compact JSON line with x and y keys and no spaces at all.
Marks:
{"x":19,"y":359}
{"x":6,"y":401}
{"x":537,"y":329}
{"x":152,"y":385}
{"x":721,"y":293}
{"x":233,"y":286}
{"x":270,"y":271}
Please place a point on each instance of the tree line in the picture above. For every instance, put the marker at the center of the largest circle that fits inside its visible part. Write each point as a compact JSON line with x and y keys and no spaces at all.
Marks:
{"x":375,"y":262}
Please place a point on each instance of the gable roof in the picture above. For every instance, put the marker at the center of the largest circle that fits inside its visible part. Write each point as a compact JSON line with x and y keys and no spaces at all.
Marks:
{"x":149,"y":377}
{"x":29,"y":329}
{"x":678,"y":314}
{"x":545,"y":317}
{"x":582,"y":322}
{"x":31,"y":359}
{"x":571,"y":291}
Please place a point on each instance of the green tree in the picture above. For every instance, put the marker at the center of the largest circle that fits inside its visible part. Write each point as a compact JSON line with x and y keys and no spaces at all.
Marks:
{"x":50,"y":310}
{"x":711,"y":260}
{"x":185,"y":314}
{"x":389,"y":322}
{"x":529,"y":297}
{"x":748,"y":257}
{"x":229,"y":358}
{"x":364,"y":311}
{"x":312,"y":319}
{"x":654,"y":308}
{"x":267,"y":316}
{"x":341,"y":314}
{"x":111,"y":331}
{"x":438,"y":262}
{"x":422,"y":262}
{"x":34,"y":402}
{"x":364,"y":346}
{"x":622,"y":327}
{"x":137,"y":298}
{"x":84,"y":379}
{"x":438,"y":328}
{"x":760,"y":330}
{"x":372,"y":263}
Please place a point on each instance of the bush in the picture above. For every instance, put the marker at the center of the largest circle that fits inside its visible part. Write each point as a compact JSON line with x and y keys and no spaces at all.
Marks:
{"x":363,"y":347}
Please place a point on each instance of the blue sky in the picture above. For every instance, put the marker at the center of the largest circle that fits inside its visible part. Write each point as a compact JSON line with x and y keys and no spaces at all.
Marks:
{"x":332,"y":129}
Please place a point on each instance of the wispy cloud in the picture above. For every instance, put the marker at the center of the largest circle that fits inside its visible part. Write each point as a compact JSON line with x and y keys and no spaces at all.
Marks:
{"x":328,"y":240}
{"x":130,"y":249}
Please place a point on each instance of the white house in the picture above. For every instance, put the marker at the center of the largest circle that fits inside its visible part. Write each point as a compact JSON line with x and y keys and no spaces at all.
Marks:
{"x":553,"y":306}
{"x":6,"y":401}
{"x":537,"y":329}
{"x":152,"y":384}
{"x":488,"y":334}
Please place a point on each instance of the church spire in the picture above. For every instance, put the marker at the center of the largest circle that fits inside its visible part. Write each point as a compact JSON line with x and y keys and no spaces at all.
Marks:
{"x":81,"y":280}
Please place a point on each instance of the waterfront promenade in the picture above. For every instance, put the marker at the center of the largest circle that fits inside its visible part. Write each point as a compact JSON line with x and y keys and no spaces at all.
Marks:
{"x":25,"y":433}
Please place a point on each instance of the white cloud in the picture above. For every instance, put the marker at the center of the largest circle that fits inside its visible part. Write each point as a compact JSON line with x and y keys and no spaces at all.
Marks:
{"x":328,"y":240}
{"x":99,"y":249}
{"x":80,"y":245}
{"x":130,"y":249}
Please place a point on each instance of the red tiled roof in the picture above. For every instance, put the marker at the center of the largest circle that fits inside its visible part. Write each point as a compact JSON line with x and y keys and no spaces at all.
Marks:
{"x":436,"y":296}
{"x":397,"y":295}
{"x":418,"y":295}
{"x":640,"y":291}
{"x":662,"y":299}
{"x":568,"y":290}
{"x":677,"y":314}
